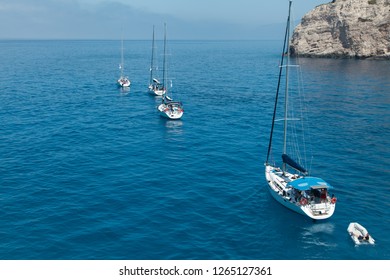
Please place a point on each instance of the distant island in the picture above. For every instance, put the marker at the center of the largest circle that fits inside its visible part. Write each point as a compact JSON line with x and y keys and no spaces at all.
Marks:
{"x":345,"y":29}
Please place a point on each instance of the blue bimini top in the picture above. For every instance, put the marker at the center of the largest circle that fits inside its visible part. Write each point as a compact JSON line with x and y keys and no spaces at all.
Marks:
{"x":307,"y":183}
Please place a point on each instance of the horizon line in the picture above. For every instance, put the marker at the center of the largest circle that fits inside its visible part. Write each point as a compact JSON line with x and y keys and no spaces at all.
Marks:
{"x":97,"y":39}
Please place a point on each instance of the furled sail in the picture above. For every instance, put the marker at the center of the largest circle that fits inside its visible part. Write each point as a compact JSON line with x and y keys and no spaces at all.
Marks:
{"x":293,"y":164}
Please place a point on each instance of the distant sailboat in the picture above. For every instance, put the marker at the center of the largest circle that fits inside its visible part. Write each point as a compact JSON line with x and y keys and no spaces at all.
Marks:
{"x":299,"y":192}
{"x":169,"y":108}
{"x":123,"y":80}
{"x":155,"y":86}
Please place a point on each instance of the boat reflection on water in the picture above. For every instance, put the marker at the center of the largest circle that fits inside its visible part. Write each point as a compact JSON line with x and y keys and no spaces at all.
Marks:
{"x":124,"y":90}
{"x":318,"y":234}
{"x":173,"y":127}
{"x":315,"y":228}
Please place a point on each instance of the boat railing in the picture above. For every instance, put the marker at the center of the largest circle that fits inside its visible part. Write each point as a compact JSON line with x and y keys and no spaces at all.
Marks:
{"x":319,"y":208}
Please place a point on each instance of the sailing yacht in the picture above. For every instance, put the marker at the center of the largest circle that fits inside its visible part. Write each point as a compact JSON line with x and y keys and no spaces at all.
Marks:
{"x":155,"y":87}
{"x":290,"y":183}
{"x":123,"y":80}
{"x":168,"y":108}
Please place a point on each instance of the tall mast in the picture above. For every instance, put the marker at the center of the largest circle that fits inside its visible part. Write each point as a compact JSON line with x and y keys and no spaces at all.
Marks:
{"x":286,"y":89}
{"x":286,"y":39}
{"x":122,"y":59}
{"x":165,"y":60}
{"x":152,"y":60}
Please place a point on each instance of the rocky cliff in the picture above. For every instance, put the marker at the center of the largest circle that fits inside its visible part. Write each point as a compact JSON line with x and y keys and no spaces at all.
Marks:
{"x":345,"y":28}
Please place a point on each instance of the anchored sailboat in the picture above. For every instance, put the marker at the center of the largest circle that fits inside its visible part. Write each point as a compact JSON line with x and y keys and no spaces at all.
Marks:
{"x":123,"y":80}
{"x":291,"y":184}
{"x":169,"y":108}
{"x":155,"y":87}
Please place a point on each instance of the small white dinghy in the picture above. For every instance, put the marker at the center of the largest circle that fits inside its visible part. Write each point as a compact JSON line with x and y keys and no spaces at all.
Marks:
{"x":359,"y":234}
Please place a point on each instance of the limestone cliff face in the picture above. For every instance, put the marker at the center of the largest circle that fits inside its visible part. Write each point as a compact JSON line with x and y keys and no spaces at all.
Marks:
{"x":345,"y":28}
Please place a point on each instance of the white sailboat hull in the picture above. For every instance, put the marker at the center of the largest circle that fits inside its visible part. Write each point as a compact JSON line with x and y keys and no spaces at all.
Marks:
{"x":307,"y":206}
{"x":124,"y":82}
{"x":174,"y":114}
{"x":156,"y":92}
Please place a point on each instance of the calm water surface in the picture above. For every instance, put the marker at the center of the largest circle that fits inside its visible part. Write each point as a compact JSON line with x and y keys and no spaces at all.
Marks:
{"x":92,"y":172}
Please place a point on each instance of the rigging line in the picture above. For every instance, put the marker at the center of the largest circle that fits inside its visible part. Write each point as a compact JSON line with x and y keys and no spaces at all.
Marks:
{"x":303,"y":113}
{"x":293,"y":127}
{"x":165,"y":60}
{"x":172,"y":70}
{"x":286,"y":93}
{"x":294,"y":130}
{"x":307,"y":147}
{"x":307,"y":152}
{"x":299,"y":143}
{"x":295,"y":141}
{"x":152,"y":60}
{"x":279,"y":82}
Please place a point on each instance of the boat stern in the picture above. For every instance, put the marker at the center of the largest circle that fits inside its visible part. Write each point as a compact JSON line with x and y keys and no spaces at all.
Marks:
{"x":319,"y":211}
{"x":173,"y":113}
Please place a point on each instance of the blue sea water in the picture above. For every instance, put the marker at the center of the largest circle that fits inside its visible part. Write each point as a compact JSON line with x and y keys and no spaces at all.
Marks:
{"x":89,"y":171}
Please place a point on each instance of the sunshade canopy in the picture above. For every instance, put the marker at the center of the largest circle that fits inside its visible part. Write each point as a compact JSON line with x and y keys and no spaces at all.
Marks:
{"x":307,"y":183}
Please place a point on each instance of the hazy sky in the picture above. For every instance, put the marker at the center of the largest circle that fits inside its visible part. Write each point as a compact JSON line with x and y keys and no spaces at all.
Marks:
{"x":186,"y":19}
